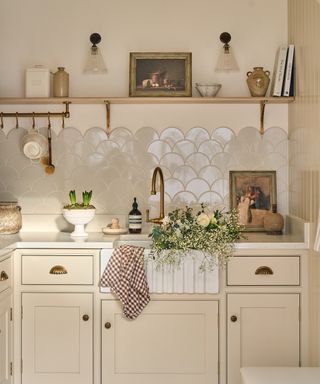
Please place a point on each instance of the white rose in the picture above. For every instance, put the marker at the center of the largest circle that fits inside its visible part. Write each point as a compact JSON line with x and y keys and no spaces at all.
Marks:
{"x":203,"y":220}
{"x":213,"y":220}
{"x":165,"y":220}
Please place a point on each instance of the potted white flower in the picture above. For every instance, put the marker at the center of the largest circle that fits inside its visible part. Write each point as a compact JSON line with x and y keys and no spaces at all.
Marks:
{"x":79,"y":214}
{"x":182,"y":232}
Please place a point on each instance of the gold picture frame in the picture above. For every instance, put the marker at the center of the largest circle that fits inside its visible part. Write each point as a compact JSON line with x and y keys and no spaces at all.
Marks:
{"x":252,"y":193}
{"x":160,"y":74}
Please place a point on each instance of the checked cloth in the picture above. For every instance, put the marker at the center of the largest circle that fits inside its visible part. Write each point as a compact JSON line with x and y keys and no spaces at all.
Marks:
{"x":126,"y":277}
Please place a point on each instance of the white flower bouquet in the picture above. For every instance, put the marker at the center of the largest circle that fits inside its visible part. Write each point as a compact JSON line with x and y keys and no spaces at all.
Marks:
{"x":182,"y":232}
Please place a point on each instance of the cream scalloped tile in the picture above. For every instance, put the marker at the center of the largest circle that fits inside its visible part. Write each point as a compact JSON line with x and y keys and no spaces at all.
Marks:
{"x":94,"y":160}
{"x":221,"y":187}
{"x":181,"y":199}
{"x":94,"y":136}
{"x":274,"y":161}
{"x":159,"y":148}
{"x":18,"y":186}
{"x":171,"y":135}
{"x":223,"y":161}
{"x":184,"y":148}
{"x":145,"y":136}
{"x":8,"y":173}
{"x":66,"y":164}
{"x":275,"y":134}
{"x":282,"y":147}
{"x":7,"y":196}
{"x":29,"y":202}
{"x":3,"y":136}
{"x":197,"y":161}
{"x":68,"y":136}
{"x":173,"y":186}
{"x":184,"y":173}
{"x":120,"y":160}
{"x":197,"y":135}
{"x":213,"y":199}
{"x":197,"y":187}
{"x":107,"y":174}
{"x":121,"y":135}
{"x":44,"y":187}
{"x":19,"y":161}
{"x":78,"y":179}
{"x":171,"y":161}
{"x":210,"y":173}
{"x":210,"y":148}
{"x":223,"y":135}
{"x":79,"y":148}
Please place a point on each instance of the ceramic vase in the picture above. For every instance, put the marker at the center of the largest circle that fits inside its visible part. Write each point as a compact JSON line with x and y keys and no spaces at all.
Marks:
{"x":61,"y":83}
{"x":273,"y":222}
{"x":258,"y":81}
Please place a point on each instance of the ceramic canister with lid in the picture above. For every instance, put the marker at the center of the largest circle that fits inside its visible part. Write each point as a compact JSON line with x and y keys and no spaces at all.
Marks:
{"x":10,"y":217}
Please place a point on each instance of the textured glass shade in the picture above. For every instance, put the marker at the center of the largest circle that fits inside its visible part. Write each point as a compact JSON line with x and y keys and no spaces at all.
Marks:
{"x":95,"y":62}
{"x":226,"y":61}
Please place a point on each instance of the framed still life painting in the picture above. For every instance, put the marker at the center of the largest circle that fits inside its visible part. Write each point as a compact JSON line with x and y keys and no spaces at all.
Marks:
{"x":160,"y":74}
{"x":252,"y":193}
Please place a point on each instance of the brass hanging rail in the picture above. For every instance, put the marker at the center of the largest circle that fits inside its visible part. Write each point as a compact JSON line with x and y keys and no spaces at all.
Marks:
{"x":64,"y":114}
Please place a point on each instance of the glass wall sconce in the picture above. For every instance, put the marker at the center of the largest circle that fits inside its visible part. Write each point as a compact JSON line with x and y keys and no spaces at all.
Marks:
{"x":226,"y":60}
{"x":95,"y":62}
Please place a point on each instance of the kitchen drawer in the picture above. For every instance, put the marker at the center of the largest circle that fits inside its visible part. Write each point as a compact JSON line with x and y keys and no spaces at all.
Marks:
{"x":57,"y":269}
{"x":5,"y":274}
{"x":263,"y":270}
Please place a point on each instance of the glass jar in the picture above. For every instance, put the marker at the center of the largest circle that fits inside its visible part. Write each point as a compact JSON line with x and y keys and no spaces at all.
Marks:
{"x":10,"y":218}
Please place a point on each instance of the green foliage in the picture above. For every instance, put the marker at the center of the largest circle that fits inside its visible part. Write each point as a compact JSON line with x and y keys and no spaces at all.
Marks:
{"x":182,"y":231}
{"x":86,"y":199}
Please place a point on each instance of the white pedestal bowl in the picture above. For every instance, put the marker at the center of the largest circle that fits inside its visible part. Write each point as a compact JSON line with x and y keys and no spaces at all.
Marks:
{"x":79,"y":218}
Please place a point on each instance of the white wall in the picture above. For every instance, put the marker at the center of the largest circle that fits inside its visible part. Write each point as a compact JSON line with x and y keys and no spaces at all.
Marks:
{"x":56,"y":33}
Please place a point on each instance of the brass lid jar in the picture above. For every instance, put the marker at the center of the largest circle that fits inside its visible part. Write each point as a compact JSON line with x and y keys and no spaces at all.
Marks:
{"x":10,"y":217}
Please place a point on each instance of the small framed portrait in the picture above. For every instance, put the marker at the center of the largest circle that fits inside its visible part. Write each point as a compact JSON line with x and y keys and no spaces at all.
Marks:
{"x":253,"y":193}
{"x":160,"y":74}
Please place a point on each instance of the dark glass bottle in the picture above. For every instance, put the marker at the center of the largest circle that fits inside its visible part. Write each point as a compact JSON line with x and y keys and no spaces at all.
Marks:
{"x":135,"y":218}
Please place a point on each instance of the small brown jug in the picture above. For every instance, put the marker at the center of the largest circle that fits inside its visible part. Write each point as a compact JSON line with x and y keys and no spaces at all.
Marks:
{"x":273,"y":222}
{"x":61,"y":83}
{"x":258,"y":81}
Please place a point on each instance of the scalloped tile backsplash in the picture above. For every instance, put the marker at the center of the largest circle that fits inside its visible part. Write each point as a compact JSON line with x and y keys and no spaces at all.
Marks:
{"x":195,"y":164}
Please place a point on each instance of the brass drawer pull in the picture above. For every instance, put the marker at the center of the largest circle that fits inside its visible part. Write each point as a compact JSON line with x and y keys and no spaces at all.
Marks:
{"x":264,"y":270}
{"x":58,"y":270}
{"x":233,"y":318}
{"x":107,"y":325}
{"x":85,"y":317}
{"x":3,"y":276}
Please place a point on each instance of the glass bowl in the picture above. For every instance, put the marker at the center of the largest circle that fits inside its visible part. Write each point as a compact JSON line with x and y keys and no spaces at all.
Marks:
{"x":207,"y":89}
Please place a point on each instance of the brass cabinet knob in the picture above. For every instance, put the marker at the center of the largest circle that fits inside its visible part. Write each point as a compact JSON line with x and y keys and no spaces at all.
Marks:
{"x":233,"y":318}
{"x":3,"y":276}
{"x":85,"y":317}
{"x":107,"y":325}
{"x":58,"y":270}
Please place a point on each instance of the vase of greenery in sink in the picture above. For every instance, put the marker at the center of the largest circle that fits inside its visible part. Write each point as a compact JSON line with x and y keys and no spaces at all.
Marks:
{"x":79,"y":214}
{"x":207,"y":234}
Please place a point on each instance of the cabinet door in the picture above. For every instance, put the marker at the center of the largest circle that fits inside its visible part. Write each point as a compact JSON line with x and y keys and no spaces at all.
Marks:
{"x":171,"y":342}
{"x":5,"y":341}
{"x":263,"y":330}
{"x":57,"y":338}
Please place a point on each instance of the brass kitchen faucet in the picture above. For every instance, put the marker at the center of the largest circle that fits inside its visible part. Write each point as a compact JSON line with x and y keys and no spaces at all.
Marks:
{"x":157,"y":220}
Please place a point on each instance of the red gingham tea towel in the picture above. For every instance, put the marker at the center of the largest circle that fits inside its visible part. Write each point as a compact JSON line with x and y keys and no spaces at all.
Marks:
{"x":125,"y":275}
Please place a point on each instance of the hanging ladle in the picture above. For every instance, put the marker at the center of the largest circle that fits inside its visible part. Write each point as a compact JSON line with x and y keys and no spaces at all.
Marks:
{"x":49,"y":167}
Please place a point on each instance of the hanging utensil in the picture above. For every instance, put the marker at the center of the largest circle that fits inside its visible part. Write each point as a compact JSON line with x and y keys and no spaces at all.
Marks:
{"x":50,"y":168}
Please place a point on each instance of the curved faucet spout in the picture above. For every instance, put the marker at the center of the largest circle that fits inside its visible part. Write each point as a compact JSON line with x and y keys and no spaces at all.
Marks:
{"x":157,"y":171}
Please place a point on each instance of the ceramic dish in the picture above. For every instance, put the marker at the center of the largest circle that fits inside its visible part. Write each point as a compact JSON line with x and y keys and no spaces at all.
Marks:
{"x":34,"y":145}
{"x":111,"y":231}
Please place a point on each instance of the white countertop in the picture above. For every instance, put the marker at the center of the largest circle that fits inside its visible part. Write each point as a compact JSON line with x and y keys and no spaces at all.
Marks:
{"x":98,"y":240}
{"x":280,"y":375}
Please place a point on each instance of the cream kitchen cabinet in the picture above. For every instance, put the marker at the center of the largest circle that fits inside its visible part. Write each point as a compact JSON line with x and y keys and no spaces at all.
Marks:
{"x":5,"y":341}
{"x":175,"y":342}
{"x":57,"y":338}
{"x":5,"y":320}
{"x":263,"y":312}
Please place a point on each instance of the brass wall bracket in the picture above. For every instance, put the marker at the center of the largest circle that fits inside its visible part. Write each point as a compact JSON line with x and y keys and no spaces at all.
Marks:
{"x":262,"y":109}
{"x":63,"y":115}
{"x":108,"y":117}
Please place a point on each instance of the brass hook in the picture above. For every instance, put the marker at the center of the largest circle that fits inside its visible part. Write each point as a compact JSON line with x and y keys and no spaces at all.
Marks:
{"x":33,"y":121}
{"x":108,"y":112}
{"x":62,"y":124}
{"x":1,"y":120}
{"x":49,"y":122}
{"x":17,"y":121}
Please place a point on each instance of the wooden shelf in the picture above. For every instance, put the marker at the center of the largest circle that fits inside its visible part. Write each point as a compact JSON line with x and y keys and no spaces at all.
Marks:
{"x":147,"y":100}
